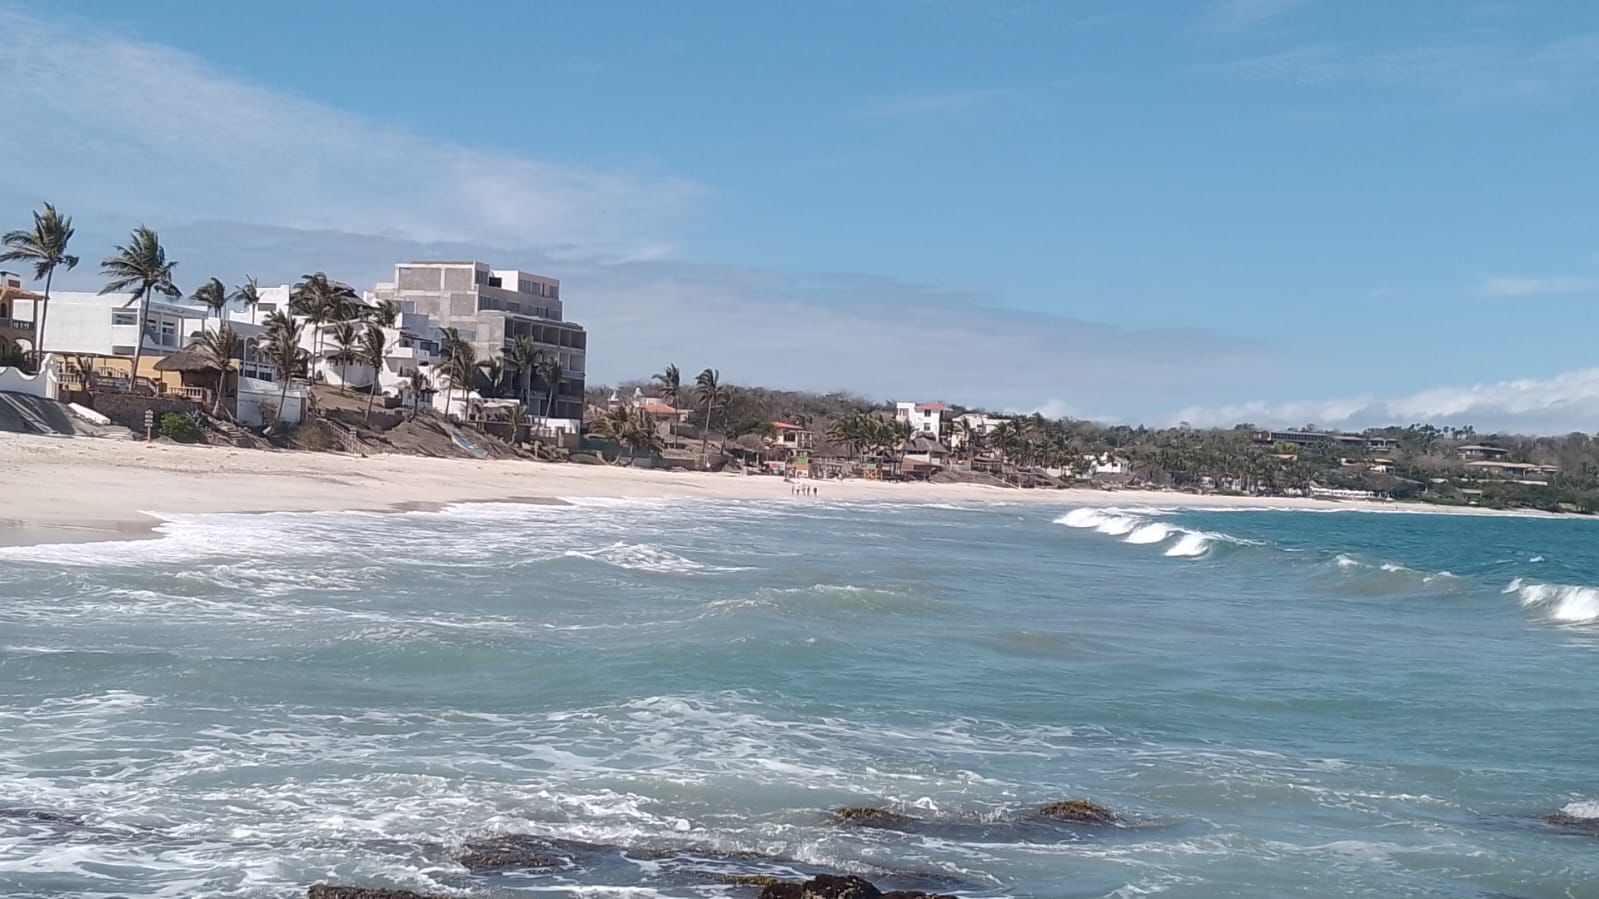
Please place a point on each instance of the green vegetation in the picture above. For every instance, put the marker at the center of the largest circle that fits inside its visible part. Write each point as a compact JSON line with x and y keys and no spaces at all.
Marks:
{"x":179,"y":427}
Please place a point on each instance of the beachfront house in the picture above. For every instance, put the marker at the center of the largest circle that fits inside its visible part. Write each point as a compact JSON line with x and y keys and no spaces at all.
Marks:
{"x":924,"y":418}
{"x":925,"y":450}
{"x":17,"y":330}
{"x":101,"y":331}
{"x":792,"y":438}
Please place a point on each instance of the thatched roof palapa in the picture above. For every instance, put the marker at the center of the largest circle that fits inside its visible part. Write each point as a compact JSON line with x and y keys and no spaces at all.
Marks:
{"x":189,"y":360}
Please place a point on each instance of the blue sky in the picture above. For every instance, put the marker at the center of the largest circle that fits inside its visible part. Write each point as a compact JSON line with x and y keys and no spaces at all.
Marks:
{"x":1284,"y":211}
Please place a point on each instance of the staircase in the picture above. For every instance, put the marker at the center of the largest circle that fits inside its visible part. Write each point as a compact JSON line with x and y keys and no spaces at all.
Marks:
{"x":231,"y":432}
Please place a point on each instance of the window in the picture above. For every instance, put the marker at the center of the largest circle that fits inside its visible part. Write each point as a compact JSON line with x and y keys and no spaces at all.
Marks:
{"x":118,"y":317}
{"x":169,"y":334}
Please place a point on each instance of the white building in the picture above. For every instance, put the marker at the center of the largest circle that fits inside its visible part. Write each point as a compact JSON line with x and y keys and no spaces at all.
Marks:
{"x":413,"y":345}
{"x":976,"y":423}
{"x":494,"y":308}
{"x":924,"y":418}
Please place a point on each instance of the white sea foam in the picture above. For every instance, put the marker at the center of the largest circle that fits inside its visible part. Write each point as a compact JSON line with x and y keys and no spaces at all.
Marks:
{"x":1152,"y":532}
{"x":1565,"y":603}
{"x":646,"y":557}
{"x":1586,"y":808}
{"x":1347,"y":561}
{"x":1392,"y":567}
{"x":1191,"y":545}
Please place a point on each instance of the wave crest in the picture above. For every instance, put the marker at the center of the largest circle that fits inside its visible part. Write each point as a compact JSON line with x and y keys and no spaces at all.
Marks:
{"x":1565,"y":603}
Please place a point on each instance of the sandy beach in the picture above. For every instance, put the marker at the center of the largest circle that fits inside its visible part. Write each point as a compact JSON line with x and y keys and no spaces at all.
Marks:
{"x":77,"y":489}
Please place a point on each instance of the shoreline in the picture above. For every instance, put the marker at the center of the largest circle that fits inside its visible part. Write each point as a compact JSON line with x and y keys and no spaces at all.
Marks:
{"x":78,"y":490}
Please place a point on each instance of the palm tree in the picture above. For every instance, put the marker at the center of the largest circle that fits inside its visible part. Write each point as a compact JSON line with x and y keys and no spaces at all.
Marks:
{"x":213,"y":295}
{"x":374,"y":347}
{"x":630,"y":429}
{"x":141,"y":265}
{"x":283,"y":351}
{"x":518,"y":417}
{"x":493,"y":370}
{"x":523,"y":357}
{"x":248,"y":294}
{"x":321,"y":300}
{"x":386,"y":314}
{"x":417,"y":381}
{"x":217,"y":348}
{"x":344,"y":338}
{"x":671,"y":389}
{"x":46,"y":247}
{"x":550,"y":375}
{"x":708,"y":386}
{"x":459,"y":365}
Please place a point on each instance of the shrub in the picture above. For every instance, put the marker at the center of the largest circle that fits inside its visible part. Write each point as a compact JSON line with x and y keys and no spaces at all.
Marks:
{"x":179,"y":427}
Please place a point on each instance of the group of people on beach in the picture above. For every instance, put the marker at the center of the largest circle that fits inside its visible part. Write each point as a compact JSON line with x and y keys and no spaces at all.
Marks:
{"x":798,"y":489}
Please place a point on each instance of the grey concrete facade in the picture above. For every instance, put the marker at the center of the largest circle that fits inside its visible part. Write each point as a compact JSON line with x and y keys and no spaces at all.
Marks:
{"x":493,"y":308}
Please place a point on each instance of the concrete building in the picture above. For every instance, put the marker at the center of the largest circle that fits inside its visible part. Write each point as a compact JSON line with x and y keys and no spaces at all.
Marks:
{"x":493,"y":308}
{"x":924,"y":418}
{"x":106,"y":327}
{"x":17,"y":330}
{"x":1477,"y":452}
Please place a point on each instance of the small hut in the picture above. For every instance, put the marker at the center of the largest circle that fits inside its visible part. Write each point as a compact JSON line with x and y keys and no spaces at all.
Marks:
{"x":198,"y":375}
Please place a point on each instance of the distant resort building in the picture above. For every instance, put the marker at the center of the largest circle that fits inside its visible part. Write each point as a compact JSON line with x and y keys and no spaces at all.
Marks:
{"x":1477,"y":452}
{"x":493,"y":308}
{"x":1375,"y":444}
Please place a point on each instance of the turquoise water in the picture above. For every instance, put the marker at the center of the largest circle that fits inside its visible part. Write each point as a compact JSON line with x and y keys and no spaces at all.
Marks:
{"x":1276,"y":703}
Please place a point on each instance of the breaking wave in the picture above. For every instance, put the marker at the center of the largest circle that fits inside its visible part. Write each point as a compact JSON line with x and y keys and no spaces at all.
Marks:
{"x":646,"y":557}
{"x":1565,"y":603}
{"x":1139,"y":531}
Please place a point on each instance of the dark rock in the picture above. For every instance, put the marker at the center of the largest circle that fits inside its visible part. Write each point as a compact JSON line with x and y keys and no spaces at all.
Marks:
{"x":866,"y":816}
{"x":327,"y":891}
{"x":1572,"y":822}
{"x":750,"y":880}
{"x":513,"y":851}
{"x":824,"y":886}
{"x":1078,"y":811}
{"x":43,"y":817}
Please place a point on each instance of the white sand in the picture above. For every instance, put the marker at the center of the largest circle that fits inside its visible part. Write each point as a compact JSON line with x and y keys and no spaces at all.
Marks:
{"x":58,"y":489}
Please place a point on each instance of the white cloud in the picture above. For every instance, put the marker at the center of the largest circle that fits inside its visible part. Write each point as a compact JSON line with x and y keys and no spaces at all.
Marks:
{"x":103,"y":125}
{"x":1536,"y":287}
{"x":1561,"y":404}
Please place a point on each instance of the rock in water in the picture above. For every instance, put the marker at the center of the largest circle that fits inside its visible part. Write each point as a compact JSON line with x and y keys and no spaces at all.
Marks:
{"x":41,"y":816}
{"x":509,"y":852}
{"x":866,"y":816}
{"x":828,"y":886}
{"x":824,"y":886}
{"x":1572,"y":822}
{"x":328,"y":891}
{"x":1078,"y":811}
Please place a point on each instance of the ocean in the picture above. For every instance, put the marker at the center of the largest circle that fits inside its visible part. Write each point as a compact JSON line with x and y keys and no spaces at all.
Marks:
{"x":1272,"y":703}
